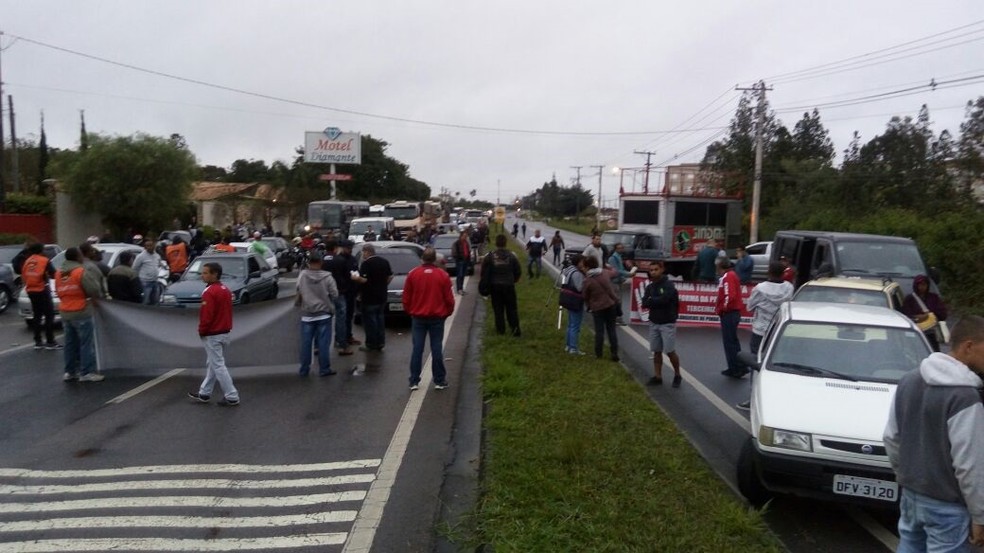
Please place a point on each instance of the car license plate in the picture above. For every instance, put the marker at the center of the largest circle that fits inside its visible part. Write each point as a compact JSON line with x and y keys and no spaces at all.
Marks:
{"x":396,"y":307}
{"x":866,"y":487}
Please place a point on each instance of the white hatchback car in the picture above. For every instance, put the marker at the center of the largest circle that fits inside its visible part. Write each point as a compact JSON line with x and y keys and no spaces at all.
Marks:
{"x":824,"y":382}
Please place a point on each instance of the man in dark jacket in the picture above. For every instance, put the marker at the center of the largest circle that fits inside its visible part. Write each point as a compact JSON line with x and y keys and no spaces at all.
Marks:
{"x":663,"y":303}
{"x":461,"y":253}
{"x":500,"y":273}
{"x":123,"y":283}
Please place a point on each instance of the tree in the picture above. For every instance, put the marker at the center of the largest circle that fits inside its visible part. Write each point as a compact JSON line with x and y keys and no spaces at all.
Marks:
{"x":42,"y":159}
{"x":252,"y":170}
{"x":969,"y":157}
{"x":811,"y":140}
{"x":134,"y":182}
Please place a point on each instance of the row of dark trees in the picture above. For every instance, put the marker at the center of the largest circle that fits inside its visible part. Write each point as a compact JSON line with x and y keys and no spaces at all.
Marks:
{"x":554,"y":200}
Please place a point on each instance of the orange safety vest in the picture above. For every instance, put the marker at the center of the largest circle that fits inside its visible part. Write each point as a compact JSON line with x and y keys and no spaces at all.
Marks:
{"x":177,"y":257}
{"x":70,"y":291}
{"x":225,"y":248}
{"x":34,"y":273}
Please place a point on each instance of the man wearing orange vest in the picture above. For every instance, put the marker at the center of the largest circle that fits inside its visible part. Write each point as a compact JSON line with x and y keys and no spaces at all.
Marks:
{"x":36,"y":271}
{"x":177,"y":257}
{"x":76,"y":288}
{"x":224,"y":245}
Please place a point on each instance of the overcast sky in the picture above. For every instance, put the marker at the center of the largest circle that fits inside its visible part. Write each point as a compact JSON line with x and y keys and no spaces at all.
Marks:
{"x":546,"y":66}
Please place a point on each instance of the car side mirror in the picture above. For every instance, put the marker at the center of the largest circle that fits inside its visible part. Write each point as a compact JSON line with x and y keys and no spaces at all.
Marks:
{"x":750,"y":360}
{"x":255,"y":274}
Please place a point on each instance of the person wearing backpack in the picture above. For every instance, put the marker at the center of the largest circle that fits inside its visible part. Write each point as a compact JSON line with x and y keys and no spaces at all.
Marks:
{"x":500,"y":273}
{"x":572,"y":299}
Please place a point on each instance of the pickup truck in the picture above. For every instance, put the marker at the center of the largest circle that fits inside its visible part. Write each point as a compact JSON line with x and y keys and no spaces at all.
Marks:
{"x":640,"y":247}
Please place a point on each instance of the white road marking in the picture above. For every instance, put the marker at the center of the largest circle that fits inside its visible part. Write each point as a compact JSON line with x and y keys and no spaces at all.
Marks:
{"x":694,"y":383}
{"x":145,"y":386}
{"x":16,"y":348}
{"x":160,"y":544}
{"x":364,"y":530}
{"x":178,"y":469}
{"x":198,"y":484}
{"x":74,"y":523}
{"x":183,"y":501}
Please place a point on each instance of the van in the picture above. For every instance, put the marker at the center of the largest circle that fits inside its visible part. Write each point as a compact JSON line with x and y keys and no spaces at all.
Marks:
{"x":360,"y":226}
{"x":822,"y":253}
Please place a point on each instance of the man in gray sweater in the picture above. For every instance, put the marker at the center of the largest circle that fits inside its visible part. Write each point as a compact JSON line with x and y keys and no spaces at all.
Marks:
{"x":316,"y":295}
{"x":933,"y":440}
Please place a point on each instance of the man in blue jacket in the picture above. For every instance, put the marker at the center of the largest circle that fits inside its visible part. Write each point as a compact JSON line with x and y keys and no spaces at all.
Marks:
{"x":663,"y":302}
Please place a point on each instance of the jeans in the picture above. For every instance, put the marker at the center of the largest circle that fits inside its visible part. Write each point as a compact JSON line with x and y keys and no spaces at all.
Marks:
{"x":556,"y":257}
{"x":374,"y":323}
{"x":604,"y":321}
{"x":504,"y":302}
{"x":349,"y":315}
{"x":932,"y":526}
{"x":341,"y":332}
{"x":318,"y":332}
{"x":215,"y":368}
{"x":150,"y":292}
{"x":420,"y":329}
{"x":461,"y":268}
{"x":729,"y":335}
{"x":80,"y":346}
{"x":534,"y":260}
{"x":574,"y":319}
{"x":42,"y":306}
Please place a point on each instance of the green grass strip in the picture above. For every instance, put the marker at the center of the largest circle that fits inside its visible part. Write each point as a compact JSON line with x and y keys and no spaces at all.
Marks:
{"x":578,"y":458}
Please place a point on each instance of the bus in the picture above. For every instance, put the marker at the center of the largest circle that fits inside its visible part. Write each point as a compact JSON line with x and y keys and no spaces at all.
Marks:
{"x":334,"y":215}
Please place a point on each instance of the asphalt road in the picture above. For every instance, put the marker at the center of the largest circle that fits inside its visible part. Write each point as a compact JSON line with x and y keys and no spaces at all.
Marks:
{"x":703,"y":408}
{"x":350,"y":462}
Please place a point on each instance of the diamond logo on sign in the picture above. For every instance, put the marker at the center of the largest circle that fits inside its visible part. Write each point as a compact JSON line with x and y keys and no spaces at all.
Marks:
{"x":333,"y":132}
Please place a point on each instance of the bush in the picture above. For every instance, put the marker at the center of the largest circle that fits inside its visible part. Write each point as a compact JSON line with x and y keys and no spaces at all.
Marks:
{"x":28,"y":204}
{"x":7,"y":239}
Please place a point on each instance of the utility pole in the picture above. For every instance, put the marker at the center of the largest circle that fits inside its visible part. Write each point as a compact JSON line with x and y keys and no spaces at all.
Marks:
{"x":14,"y":170}
{"x":600,"y":169}
{"x":2,"y":177}
{"x":759,"y":146}
{"x":649,"y":156}
{"x":577,"y":194}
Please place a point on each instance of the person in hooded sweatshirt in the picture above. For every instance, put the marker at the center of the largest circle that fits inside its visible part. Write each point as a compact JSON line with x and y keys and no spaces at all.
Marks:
{"x":920,"y":303}
{"x":316,"y":296}
{"x":933,"y":441}
{"x":764,"y":301}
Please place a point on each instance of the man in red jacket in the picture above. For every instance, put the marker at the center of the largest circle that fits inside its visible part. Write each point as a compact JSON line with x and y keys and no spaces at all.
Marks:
{"x":729,"y":306}
{"x":214,"y":324}
{"x":427,"y":298}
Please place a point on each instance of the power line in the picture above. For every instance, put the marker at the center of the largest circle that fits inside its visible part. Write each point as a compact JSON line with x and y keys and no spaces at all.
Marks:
{"x":931,"y":86}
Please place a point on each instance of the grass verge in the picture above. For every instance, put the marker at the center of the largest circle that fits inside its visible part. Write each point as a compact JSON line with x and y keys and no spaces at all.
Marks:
{"x":577,"y":458}
{"x":581,"y":226}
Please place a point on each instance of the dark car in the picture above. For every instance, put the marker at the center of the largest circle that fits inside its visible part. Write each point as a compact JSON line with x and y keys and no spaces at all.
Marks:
{"x":247,"y":276}
{"x":442,"y":245}
{"x":281,"y":248}
{"x":401,"y":263}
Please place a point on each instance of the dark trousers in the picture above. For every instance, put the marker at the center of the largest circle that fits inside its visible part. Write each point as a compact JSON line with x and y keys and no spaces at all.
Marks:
{"x":374,"y":323}
{"x":729,"y":336}
{"x":42,"y":306}
{"x":349,"y":314}
{"x":504,"y":302}
{"x":604,"y":322}
{"x":461,"y":266}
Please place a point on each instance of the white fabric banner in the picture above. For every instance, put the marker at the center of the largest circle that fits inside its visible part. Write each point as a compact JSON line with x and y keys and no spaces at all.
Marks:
{"x":133,"y":336}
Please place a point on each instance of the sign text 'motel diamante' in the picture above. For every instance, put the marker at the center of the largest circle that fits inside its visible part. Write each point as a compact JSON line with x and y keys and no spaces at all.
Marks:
{"x":333,"y":146}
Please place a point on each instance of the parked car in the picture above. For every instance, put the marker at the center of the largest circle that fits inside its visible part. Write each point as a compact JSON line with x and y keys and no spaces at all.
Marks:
{"x":401,"y":263}
{"x":442,"y":245}
{"x":111,"y":256}
{"x":827,"y":373}
{"x":7,"y":287}
{"x":247,"y":275}
{"x":412,"y":247}
{"x":281,"y":249}
{"x":858,"y":291}
{"x":760,"y":252}
{"x":7,"y":254}
{"x":270,"y":257}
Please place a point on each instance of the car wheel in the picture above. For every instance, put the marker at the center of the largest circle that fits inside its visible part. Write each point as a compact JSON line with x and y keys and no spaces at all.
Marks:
{"x":4,"y":298}
{"x":244,"y":299}
{"x":748,"y":481}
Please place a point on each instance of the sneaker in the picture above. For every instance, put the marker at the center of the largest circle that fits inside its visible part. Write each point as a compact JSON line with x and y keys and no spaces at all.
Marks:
{"x":92,"y":377}
{"x":38,"y":346}
{"x":198,"y":397}
{"x":346,"y":351}
{"x":414,"y":387}
{"x":677,"y":379}
{"x":441,"y":386}
{"x":69,"y":377}
{"x":354,"y":342}
{"x":329,"y":372}
{"x":619,"y":321}
{"x":745,"y":405}
{"x":228,"y":402}
{"x":653,"y":381}
{"x":52,"y":346}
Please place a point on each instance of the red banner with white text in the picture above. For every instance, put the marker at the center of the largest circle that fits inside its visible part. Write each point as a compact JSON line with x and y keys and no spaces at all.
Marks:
{"x":697,"y":302}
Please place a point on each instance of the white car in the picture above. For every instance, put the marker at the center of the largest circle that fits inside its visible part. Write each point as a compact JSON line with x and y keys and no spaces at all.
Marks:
{"x":825,"y":378}
{"x":270,"y":257}
{"x":111,"y":256}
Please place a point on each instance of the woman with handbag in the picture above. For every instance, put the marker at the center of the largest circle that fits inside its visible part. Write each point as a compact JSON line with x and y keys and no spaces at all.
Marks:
{"x":928,"y":310}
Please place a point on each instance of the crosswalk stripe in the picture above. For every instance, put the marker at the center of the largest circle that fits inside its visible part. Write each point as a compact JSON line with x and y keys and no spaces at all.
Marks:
{"x":158,"y":544}
{"x":183,"y":501}
{"x":323,"y":517}
{"x":177,"y":469}
{"x":199,"y":484}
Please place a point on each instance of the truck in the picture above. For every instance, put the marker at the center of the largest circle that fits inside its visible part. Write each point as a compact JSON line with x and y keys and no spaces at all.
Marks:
{"x":406,"y":216}
{"x":674,"y":227}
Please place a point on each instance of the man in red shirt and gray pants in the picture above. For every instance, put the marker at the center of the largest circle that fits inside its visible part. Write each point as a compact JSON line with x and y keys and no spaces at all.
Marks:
{"x":427,"y":298}
{"x":214,"y":324}
{"x":729,"y":306}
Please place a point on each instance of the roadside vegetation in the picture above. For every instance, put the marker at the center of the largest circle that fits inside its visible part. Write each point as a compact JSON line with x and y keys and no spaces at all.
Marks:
{"x":577,"y":458}
{"x":581,"y":225}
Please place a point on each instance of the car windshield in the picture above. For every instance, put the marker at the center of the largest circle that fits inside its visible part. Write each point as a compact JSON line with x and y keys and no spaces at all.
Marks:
{"x":361,"y":227}
{"x":852,"y":352}
{"x":232,"y":268}
{"x":444,"y":241}
{"x":7,"y":254}
{"x":398,"y":213}
{"x":836,"y":294}
{"x":401,"y":263}
{"x":881,"y":258}
{"x":612,"y":238}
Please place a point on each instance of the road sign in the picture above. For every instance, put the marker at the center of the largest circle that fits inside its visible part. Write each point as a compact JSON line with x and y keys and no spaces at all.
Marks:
{"x":333,"y":146}
{"x":328,"y":176}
